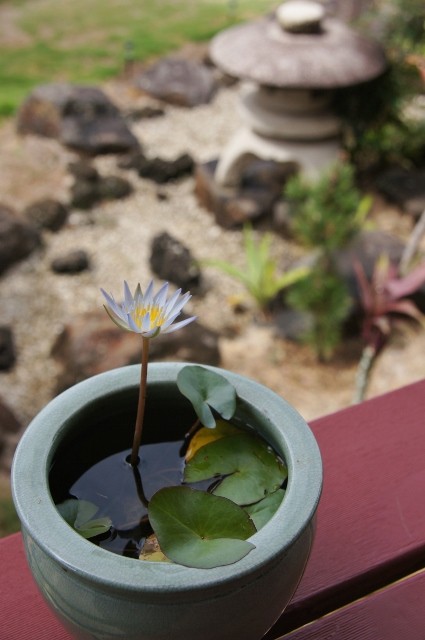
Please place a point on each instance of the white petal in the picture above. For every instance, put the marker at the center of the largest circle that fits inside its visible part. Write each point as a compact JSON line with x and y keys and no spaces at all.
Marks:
{"x":138,"y":295}
{"x":178,"y":325}
{"x":170,"y":319}
{"x":161,"y":296}
{"x":147,"y":298}
{"x":128,"y":298}
{"x":117,"y":319}
{"x":146,"y":322}
{"x":172,"y":301}
{"x":133,"y":326}
{"x":115,"y":308}
{"x":179,"y":304}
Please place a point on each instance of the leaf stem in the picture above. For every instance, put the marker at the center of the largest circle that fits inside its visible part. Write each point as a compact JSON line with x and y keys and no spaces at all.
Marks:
{"x":141,"y":404}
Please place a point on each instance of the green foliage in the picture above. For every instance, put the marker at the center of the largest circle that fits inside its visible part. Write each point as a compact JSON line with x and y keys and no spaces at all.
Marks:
{"x":377,"y":128}
{"x":377,"y":131}
{"x":259,"y":275}
{"x":250,"y":468}
{"x":79,"y":515}
{"x":402,"y":25}
{"x":329,"y":212}
{"x":85,"y":42}
{"x":324,"y":295}
{"x":198,"y":529}
{"x":326,"y":214}
{"x":207,"y":389}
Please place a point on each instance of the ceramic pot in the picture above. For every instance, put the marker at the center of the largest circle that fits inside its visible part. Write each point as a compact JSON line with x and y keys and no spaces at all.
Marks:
{"x":103,"y":596}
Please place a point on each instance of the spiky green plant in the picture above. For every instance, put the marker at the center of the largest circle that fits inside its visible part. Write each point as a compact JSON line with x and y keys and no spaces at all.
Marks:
{"x":260,"y":275}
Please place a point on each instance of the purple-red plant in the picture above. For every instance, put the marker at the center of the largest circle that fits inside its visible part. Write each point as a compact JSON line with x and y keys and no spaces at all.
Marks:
{"x":384,"y":299}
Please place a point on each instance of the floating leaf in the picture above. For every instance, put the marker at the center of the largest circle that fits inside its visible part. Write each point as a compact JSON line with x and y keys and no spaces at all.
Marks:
{"x":151,"y":551}
{"x":261,"y":512}
{"x":205,"y":436}
{"x":79,"y":515}
{"x":251,"y":467}
{"x":207,"y":389}
{"x":198,"y":529}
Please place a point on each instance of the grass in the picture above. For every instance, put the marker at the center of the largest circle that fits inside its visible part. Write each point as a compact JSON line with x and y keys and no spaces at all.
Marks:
{"x":88,"y":41}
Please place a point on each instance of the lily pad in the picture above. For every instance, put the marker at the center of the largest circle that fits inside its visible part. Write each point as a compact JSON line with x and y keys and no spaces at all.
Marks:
{"x":79,"y":515}
{"x":205,"y":436}
{"x":207,"y":390}
{"x":251,"y":468}
{"x":261,"y":512}
{"x":198,"y":529}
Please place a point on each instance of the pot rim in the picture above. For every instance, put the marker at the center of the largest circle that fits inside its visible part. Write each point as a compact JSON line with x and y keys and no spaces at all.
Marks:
{"x":40,"y":519}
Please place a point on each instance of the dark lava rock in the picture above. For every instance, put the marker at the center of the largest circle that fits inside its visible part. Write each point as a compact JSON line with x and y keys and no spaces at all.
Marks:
{"x":47,"y":214}
{"x":260,"y":189}
{"x":178,"y":81}
{"x":81,"y":117}
{"x":90,"y":187}
{"x":7,"y":349}
{"x":83,"y":170}
{"x":404,"y":187}
{"x":171,"y":260}
{"x":71,"y":263}
{"x":162,"y":171}
{"x":114,"y":188}
{"x":18,"y":238}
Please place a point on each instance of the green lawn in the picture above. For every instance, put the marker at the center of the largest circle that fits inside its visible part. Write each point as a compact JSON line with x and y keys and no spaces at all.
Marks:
{"x":87,"y":41}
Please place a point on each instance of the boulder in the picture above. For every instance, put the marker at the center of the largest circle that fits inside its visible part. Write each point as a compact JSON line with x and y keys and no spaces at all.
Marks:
{"x":81,"y":117}
{"x":47,"y":214}
{"x":173,"y":261}
{"x":18,"y":238}
{"x":178,"y":81}
{"x":91,"y":343}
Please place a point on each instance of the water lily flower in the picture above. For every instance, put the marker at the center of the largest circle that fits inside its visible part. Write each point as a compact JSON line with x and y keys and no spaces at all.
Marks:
{"x":146,"y":313}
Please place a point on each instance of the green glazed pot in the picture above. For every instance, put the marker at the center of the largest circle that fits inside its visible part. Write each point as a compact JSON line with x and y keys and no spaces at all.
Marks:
{"x":99,"y":595}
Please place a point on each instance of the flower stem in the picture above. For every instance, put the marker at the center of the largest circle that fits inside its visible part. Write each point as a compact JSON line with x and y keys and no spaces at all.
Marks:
{"x":141,"y":405}
{"x":363,"y":373}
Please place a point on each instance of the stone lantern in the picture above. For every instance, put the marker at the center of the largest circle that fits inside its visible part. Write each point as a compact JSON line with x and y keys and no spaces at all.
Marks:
{"x":291,"y":63}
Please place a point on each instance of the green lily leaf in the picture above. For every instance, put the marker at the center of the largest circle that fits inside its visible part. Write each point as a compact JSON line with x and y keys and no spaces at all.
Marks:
{"x":79,"y":515}
{"x":251,"y":468}
{"x":261,"y":512}
{"x":200,"y":530}
{"x":207,"y":389}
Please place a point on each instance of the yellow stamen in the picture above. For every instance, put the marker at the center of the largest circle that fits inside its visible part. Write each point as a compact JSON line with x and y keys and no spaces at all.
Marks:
{"x":155,"y":314}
